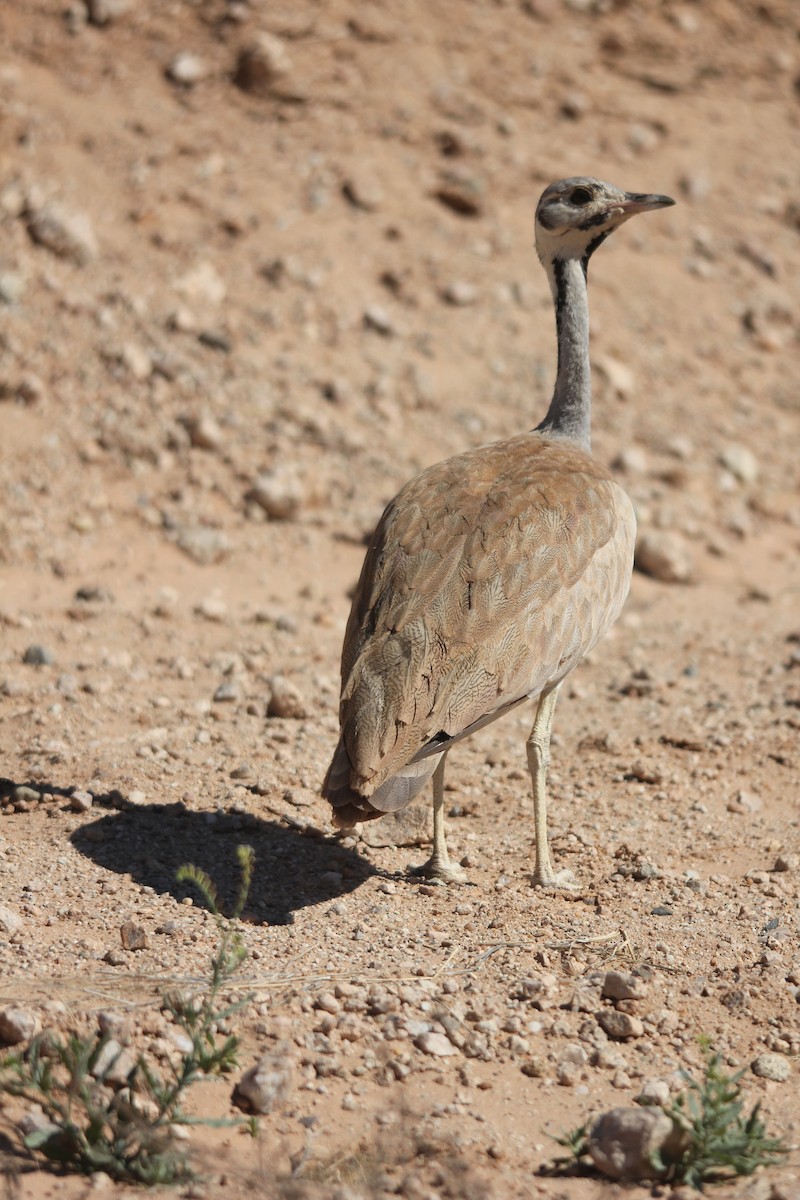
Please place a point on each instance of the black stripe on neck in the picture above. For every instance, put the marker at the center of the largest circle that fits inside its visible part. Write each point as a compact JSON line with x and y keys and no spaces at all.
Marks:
{"x":590,"y":249}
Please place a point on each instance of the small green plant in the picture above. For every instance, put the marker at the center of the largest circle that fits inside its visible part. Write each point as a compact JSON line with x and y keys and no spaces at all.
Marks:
{"x":720,"y":1141}
{"x":723,"y":1142}
{"x":129,"y":1132}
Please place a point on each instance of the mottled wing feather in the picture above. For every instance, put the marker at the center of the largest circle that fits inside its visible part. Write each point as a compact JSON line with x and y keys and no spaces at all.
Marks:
{"x":488,"y":578}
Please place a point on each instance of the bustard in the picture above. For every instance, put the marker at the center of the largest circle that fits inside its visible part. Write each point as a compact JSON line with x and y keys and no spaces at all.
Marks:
{"x":491,"y":574}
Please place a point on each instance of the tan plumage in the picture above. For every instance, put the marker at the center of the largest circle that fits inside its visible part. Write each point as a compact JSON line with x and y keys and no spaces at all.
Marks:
{"x":488,"y":578}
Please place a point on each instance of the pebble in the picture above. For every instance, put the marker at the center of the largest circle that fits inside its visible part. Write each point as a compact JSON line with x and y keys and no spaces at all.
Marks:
{"x":81,"y":801}
{"x":664,"y":555}
{"x":628,"y":1143}
{"x":203,"y":544}
{"x":379,"y":320}
{"x":364,"y":191}
{"x":265,"y":1086}
{"x":286,"y":700}
{"x":619,"y":1025}
{"x":213,"y":608}
{"x":38,"y":656}
{"x":203,"y":284}
{"x":618,"y":375}
{"x":133,"y":936}
{"x":66,"y":234}
{"x":741,"y":462}
{"x":771,"y":1066}
{"x":655,"y":1092}
{"x":435,"y":1043}
{"x":623,"y":985}
{"x":10,"y":922}
{"x":264,"y":68}
{"x":186,"y":69}
{"x":227,"y":692}
{"x":205,"y":433}
{"x":279,"y":492}
{"x":460,"y":293}
{"x":16,"y":1025}
{"x":786,"y":862}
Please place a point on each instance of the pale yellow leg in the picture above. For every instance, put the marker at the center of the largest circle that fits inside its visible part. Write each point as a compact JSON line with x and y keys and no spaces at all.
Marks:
{"x":538,"y":748}
{"x":439,"y":867}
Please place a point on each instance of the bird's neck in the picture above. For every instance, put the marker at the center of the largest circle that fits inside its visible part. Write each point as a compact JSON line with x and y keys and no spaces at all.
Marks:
{"x":570,"y":413}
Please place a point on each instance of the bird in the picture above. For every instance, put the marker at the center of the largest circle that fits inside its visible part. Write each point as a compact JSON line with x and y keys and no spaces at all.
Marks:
{"x":491,"y":574}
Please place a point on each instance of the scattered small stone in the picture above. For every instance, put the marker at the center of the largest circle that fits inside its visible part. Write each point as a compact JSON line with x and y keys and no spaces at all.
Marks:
{"x":435,"y":1043}
{"x":741,"y":462}
{"x":286,"y":700}
{"x":664,"y":555}
{"x":203,"y":544}
{"x":618,"y":375}
{"x":38,"y":656}
{"x":228,"y":691}
{"x":205,"y":433}
{"x":460,"y":293}
{"x":266,"y":1085}
{"x":10,"y":922}
{"x":65,"y":234}
{"x":114,"y":1063}
{"x":379,"y":320}
{"x":787,"y":862}
{"x":264,"y":68}
{"x":203,"y":284}
{"x":213,"y":608}
{"x":655,"y":1092}
{"x":744,"y":802}
{"x":623,"y":985}
{"x":628,"y":1143}
{"x":186,"y":69}
{"x":16,"y":1025}
{"x":280,"y":493}
{"x":103,"y":12}
{"x":662,"y":910}
{"x":363,"y":190}
{"x":81,"y":802}
{"x":771,"y":1066}
{"x":619,"y":1025}
{"x":133,"y":936}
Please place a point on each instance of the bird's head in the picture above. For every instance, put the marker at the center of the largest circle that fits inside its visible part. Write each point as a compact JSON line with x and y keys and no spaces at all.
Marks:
{"x":574,"y":216}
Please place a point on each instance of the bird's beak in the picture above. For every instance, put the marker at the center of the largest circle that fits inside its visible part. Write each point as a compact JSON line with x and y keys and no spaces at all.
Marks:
{"x":636,"y":203}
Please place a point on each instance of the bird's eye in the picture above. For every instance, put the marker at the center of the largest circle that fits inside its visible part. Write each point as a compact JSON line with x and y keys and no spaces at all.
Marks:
{"x":580,"y":195}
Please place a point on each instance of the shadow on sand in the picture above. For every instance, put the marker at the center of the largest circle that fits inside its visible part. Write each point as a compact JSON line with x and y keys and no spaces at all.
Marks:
{"x":292,"y":870}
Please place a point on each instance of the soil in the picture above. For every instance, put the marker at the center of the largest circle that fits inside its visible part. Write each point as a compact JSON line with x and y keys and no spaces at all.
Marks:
{"x":238,"y":312}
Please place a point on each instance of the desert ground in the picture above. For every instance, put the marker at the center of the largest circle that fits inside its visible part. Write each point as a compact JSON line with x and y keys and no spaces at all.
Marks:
{"x":260,"y":264}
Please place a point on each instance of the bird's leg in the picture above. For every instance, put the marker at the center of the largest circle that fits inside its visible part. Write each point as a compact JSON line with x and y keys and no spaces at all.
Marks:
{"x":439,"y":867}
{"x":538,"y":748}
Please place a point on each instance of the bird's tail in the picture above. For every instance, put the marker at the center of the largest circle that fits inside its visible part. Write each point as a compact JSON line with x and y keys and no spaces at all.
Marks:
{"x":349,"y":806}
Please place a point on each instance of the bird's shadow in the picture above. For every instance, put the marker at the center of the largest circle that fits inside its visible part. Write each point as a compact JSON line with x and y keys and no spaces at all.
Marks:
{"x":292,"y":870}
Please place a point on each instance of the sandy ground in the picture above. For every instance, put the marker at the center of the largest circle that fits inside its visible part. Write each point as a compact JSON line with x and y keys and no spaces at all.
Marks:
{"x":232,"y":323}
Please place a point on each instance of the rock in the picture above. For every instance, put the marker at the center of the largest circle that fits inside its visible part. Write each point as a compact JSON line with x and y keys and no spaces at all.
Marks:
{"x":379,"y":320}
{"x":787,"y":862}
{"x":114,"y":1063}
{"x":205,"y":433}
{"x":264,"y":67}
{"x":203,"y":544}
{"x":16,"y":1025}
{"x":228,"y":691}
{"x":436,"y":1044}
{"x":655,"y":1092}
{"x":203,"y":284}
{"x":38,"y":656}
{"x":267,"y":1084}
{"x":741,"y":462}
{"x":623,"y":985}
{"x":10,"y":922}
{"x":362,"y":188}
{"x":279,"y":492}
{"x":665,"y":556}
{"x":619,"y":1025}
{"x":66,"y":234}
{"x":412,"y":826}
{"x":81,"y":802}
{"x":771,"y":1066}
{"x":624,"y":1142}
{"x":460,"y":293}
{"x":212,"y":607}
{"x":103,"y":12}
{"x":186,"y":69}
{"x":286,"y":700}
{"x":133,"y":936}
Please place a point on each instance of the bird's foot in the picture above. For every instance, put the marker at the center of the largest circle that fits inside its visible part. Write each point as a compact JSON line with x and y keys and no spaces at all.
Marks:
{"x":562,"y":881}
{"x":438,"y":871}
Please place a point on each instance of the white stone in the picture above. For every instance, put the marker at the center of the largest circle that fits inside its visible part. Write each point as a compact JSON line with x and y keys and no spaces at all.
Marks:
{"x":665,"y":556}
{"x":622,"y":1143}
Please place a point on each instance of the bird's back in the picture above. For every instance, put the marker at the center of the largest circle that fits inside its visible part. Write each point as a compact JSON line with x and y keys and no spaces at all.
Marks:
{"x":488,"y":578}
